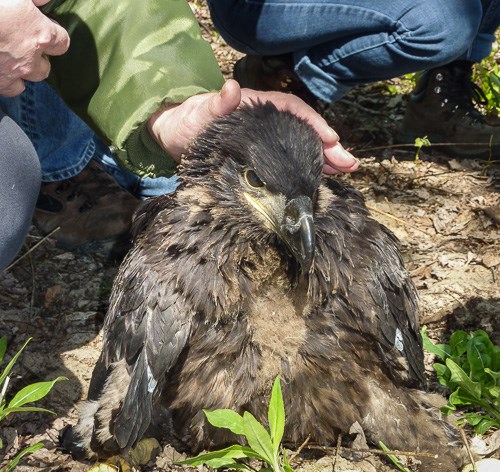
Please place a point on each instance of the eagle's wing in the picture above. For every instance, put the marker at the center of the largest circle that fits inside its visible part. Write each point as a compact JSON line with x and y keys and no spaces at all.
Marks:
{"x":147,"y":326}
{"x":395,"y":315}
{"x":380,"y":290}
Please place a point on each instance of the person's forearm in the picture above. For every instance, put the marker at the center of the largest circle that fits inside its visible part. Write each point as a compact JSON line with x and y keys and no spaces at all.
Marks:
{"x":124,"y":64}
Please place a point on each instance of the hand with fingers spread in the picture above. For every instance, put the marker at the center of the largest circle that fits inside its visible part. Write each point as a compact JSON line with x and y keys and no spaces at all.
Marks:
{"x":175,"y":126}
{"x":27,"y":37}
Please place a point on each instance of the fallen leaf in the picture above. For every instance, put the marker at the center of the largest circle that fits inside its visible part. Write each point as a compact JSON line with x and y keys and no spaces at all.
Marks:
{"x":484,"y":465}
{"x":146,"y":450}
{"x":486,"y":445}
{"x":51,"y":295}
{"x":490,"y":260}
{"x":494,"y":213}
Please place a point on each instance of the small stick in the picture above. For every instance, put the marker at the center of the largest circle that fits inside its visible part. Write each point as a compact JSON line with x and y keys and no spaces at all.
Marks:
{"x":299,"y":450}
{"x":33,"y":285}
{"x":397,"y":219}
{"x":377,"y":451}
{"x":469,"y":452}
{"x":337,"y":452}
{"x":395,"y":146}
{"x":31,"y":249}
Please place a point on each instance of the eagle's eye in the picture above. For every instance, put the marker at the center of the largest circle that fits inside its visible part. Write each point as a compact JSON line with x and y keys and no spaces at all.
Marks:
{"x":253,"y":179}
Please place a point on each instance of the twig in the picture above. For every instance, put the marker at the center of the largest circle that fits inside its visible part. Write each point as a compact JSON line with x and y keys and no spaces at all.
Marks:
{"x":337,"y":452}
{"x":30,"y":250}
{"x":393,"y":146}
{"x":469,"y":452}
{"x":299,"y":450}
{"x":376,"y":210}
{"x":375,"y":451}
{"x":33,"y":285}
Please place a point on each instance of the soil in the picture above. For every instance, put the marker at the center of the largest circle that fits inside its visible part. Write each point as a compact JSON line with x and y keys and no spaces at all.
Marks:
{"x":445,"y":211}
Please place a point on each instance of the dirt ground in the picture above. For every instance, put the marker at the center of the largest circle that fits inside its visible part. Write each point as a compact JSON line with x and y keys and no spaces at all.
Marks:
{"x":446,"y":213}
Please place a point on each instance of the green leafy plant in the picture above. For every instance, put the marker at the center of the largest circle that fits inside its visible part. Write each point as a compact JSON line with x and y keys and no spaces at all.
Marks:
{"x":29,"y":394}
{"x":489,"y":80}
{"x":487,"y":76}
{"x":393,"y":458}
{"x":470,"y":367}
{"x":262,"y":444}
{"x":419,"y":144}
{"x":401,"y":85}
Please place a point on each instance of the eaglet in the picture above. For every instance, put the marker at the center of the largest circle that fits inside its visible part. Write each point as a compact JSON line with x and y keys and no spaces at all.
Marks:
{"x":259,"y":266}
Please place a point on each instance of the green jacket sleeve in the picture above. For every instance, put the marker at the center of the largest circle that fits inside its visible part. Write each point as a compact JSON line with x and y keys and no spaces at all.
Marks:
{"x":126,"y":59}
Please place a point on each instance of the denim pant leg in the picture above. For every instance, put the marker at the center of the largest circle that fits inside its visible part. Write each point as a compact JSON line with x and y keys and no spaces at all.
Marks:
{"x":482,"y":44}
{"x":337,"y":44}
{"x":19,"y":186}
{"x":65,"y":144}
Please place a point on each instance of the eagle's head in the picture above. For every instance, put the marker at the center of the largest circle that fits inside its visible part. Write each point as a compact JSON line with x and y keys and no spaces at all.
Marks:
{"x":265,"y":169}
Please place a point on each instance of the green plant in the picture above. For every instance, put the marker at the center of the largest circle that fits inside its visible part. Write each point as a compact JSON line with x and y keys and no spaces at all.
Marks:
{"x":401,"y":85}
{"x":393,"y":458}
{"x":262,"y":444}
{"x":419,"y":144}
{"x":470,"y":368}
{"x":29,"y":394}
{"x":487,"y":76}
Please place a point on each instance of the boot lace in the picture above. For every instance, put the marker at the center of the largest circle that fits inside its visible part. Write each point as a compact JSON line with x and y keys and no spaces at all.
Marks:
{"x":461,"y":94}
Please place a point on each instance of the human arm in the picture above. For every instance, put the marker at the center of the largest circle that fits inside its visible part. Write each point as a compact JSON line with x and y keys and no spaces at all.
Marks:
{"x":27,"y":37}
{"x":128,"y":59}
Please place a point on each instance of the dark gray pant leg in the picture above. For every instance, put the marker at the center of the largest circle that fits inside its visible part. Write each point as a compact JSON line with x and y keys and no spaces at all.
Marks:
{"x":20,"y":180}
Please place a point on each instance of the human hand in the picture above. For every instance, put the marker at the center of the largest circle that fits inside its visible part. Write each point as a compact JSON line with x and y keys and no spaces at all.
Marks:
{"x":27,"y":36}
{"x":175,"y":126}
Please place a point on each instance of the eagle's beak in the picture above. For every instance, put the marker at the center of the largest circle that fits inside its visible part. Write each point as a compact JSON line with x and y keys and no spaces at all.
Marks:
{"x":292,"y":221}
{"x":297,"y":230}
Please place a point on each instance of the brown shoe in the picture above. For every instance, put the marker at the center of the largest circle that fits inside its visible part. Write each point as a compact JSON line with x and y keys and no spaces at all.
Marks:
{"x":442,"y":107}
{"x":88,"y":208}
{"x":272,"y":73}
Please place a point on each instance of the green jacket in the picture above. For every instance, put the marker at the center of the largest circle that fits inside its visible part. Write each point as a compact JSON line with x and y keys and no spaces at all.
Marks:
{"x":128,"y":58}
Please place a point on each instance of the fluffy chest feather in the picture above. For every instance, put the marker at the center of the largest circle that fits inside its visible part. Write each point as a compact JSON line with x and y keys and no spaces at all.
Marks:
{"x":278,"y":329}
{"x":240,"y":356}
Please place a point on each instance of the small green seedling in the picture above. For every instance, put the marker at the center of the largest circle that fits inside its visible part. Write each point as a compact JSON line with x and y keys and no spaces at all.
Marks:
{"x":470,"y":368}
{"x":419,"y":144}
{"x":29,"y":394}
{"x":262,"y":444}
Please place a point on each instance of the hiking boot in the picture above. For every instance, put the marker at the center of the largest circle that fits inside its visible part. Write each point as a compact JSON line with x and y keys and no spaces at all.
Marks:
{"x":271,"y":73}
{"x":89,"y":209}
{"x":442,"y":107}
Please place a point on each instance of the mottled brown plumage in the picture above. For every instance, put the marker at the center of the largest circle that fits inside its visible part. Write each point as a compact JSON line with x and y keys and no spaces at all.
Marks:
{"x":258,"y":266}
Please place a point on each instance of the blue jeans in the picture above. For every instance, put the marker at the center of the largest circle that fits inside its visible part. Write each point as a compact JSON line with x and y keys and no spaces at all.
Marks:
{"x":337,"y":44}
{"x":65,"y":144}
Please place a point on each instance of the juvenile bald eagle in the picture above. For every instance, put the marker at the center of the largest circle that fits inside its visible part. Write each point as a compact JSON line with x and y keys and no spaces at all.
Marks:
{"x":258,"y":266}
